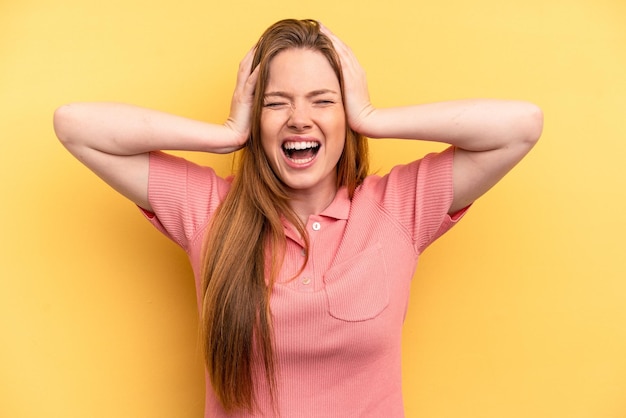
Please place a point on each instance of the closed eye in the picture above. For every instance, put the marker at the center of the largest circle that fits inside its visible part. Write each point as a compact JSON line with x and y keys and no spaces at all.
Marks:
{"x":324,"y":102}
{"x":274,"y":104}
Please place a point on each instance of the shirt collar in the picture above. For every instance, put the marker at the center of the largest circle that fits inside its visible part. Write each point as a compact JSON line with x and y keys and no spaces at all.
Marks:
{"x":339,"y":208}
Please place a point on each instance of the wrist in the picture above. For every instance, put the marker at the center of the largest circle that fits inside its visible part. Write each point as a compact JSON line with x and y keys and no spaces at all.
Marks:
{"x":368,"y":123}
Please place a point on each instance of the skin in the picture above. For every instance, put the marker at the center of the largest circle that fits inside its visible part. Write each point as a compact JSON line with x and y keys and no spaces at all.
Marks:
{"x":303,"y":106}
{"x":490,"y":136}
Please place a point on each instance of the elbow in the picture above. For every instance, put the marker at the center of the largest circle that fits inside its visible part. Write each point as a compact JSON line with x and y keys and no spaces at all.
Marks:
{"x":63,"y":122}
{"x":59,"y":122}
{"x":532,"y":125}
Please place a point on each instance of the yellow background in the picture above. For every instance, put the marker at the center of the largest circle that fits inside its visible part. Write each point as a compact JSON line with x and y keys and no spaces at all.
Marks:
{"x":518,"y":312}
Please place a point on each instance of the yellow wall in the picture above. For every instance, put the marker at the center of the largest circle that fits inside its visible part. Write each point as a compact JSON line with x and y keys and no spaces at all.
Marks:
{"x":518,"y":312}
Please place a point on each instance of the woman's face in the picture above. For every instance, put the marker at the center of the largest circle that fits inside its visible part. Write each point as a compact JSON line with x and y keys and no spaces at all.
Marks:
{"x":303,"y":124}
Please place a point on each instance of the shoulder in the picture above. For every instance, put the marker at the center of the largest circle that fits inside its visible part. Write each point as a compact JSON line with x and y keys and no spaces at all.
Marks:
{"x":178,"y":175}
{"x":183,"y":195}
{"x":434,"y":171}
{"x":416,"y":196}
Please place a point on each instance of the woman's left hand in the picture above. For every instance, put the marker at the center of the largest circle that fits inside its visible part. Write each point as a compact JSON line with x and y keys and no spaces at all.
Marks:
{"x":359,"y":109}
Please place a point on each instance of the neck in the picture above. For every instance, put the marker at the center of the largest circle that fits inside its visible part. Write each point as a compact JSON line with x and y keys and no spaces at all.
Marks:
{"x":307,"y":203}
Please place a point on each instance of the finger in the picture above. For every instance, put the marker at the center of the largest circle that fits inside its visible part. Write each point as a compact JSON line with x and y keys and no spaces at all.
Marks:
{"x":337,"y":43}
{"x":246,"y":63}
{"x":250,"y":85}
{"x":329,"y":33}
{"x":324,"y":29}
{"x":345,"y":53}
{"x":245,"y":70}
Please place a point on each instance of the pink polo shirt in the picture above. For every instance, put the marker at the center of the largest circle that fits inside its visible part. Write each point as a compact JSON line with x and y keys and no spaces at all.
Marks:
{"x":338,"y":324}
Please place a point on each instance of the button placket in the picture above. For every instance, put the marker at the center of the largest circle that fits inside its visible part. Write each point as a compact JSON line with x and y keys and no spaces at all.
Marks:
{"x":306,"y":280}
{"x":306,"y":277}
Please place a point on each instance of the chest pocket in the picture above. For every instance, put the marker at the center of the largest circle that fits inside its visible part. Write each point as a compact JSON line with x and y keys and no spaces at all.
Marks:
{"x":357,"y":288}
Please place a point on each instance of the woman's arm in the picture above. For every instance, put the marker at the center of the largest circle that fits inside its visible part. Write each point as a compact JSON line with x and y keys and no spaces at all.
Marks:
{"x":490,"y":136}
{"x":113,"y":140}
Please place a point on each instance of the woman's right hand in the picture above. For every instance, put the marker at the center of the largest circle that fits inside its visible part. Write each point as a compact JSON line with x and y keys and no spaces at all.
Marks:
{"x":240,"y":118}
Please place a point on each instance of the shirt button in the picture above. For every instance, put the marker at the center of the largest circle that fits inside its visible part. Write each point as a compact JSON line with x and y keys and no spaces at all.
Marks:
{"x":306,"y":281}
{"x":316,"y":226}
{"x":303,"y":252}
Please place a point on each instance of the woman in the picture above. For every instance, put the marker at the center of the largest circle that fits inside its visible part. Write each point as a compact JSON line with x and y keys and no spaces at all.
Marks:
{"x":302,"y":262}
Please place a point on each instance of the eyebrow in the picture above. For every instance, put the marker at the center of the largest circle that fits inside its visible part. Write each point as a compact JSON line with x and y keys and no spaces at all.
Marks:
{"x":313,"y":93}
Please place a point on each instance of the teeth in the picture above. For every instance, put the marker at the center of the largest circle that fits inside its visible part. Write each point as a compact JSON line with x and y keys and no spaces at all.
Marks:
{"x":300,"y":145}
{"x":302,"y":161}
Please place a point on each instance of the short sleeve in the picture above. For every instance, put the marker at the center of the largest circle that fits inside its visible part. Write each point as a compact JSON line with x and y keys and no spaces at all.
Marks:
{"x":419,"y":195}
{"x":183,"y":196}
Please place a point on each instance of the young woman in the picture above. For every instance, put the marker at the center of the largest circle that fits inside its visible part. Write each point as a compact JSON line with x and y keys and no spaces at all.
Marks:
{"x":302,"y":261}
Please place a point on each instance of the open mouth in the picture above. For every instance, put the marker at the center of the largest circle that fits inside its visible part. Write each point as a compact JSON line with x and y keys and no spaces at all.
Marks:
{"x":301,"y":152}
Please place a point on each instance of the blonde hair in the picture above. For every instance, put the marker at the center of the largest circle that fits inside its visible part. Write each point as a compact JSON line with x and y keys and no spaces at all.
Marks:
{"x":238,"y":274}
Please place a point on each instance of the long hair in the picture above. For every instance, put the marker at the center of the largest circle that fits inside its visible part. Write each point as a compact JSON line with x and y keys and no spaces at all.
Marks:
{"x":245,"y":244}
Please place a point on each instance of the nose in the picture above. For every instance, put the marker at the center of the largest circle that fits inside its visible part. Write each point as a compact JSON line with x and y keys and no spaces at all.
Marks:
{"x":299,"y":118}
